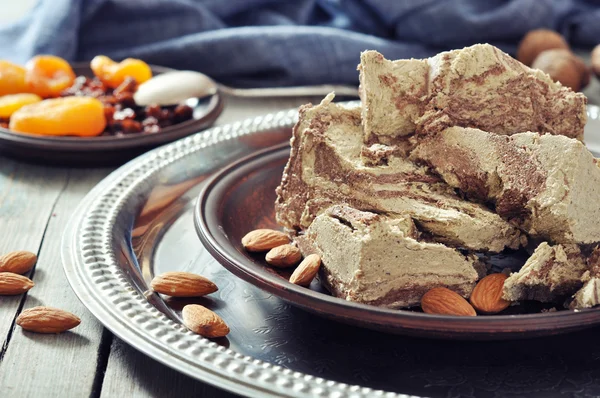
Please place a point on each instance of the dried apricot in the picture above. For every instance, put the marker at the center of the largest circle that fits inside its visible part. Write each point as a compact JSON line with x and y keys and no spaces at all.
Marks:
{"x":48,"y":75}
{"x":113,"y":73}
{"x":9,"y":104}
{"x":12,"y":79}
{"x":82,"y":116}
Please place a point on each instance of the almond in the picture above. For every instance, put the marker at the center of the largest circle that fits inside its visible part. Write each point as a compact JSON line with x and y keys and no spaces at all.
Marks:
{"x":18,"y":262}
{"x":261,"y":240}
{"x":487,"y":295}
{"x":306,"y":271}
{"x":284,"y":256}
{"x":443,"y":301}
{"x":203,"y":321}
{"x":11,"y":283}
{"x":182,"y":284}
{"x":47,"y":320}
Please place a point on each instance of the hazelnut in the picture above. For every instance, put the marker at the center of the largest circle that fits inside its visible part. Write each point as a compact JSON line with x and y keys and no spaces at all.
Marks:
{"x":537,"y":41}
{"x":564,"y":67}
{"x":596,"y":60}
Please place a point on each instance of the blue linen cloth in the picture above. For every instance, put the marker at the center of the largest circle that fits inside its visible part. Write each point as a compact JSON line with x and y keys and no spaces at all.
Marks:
{"x":284,"y":42}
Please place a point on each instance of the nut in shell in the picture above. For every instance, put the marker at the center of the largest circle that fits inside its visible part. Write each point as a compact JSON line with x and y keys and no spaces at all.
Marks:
{"x":537,"y":41}
{"x":564,"y":67}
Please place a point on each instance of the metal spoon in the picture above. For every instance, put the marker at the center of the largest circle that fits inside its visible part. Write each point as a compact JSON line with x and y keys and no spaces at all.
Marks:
{"x":175,"y":87}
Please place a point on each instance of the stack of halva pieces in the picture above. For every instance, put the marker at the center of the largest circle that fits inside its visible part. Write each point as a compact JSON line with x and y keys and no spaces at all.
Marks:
{"x":464,"y":153}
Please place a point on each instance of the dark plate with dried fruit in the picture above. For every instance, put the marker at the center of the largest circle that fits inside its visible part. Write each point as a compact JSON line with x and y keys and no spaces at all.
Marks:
{"x":137,"y":131}
{"x":241,"y":198}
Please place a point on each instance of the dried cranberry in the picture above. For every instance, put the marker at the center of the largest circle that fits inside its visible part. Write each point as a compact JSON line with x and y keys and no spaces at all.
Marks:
{"x":108,"y":99}
{"x":126,"y":99}
{"x":182,"y":113}
{"x":154,"y":111}
{"x":166,"y":114}
{"x":109,"y":112}
{"x":165,"y":123}
{"x":131,"y":126}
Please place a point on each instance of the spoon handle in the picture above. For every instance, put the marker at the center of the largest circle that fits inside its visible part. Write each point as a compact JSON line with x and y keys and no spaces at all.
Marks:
{"x":302,"y":91}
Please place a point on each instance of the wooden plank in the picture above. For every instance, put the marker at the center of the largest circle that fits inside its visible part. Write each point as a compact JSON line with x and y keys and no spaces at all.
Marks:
{"x":55,"y":365}
{"x":132,"y":374}
{"x":28,"y":195}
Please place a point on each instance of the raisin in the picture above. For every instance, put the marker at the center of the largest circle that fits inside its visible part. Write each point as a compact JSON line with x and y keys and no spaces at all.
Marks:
{"x":183,"y":113}
{"x":131,"y":126}
{"x":154,"y":111}
{"x":129,"y":85}
{"x":126,"y":99}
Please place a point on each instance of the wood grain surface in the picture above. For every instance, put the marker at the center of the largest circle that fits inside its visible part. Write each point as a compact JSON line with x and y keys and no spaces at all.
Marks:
{"x":35,"y":205}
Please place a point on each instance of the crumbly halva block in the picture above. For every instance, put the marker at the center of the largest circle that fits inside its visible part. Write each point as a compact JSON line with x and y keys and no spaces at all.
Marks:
{"x":326,"y":167}
{"x":374,"y":259}
{"x":547,"y":185}
{"x":478,"y":86}
{"x":589,"y":294}
{"x":551,"y":273}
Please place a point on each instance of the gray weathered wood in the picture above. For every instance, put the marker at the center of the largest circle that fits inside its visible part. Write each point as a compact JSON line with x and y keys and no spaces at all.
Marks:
{"x":28,"y":195}
{"x":65,"y":364}
{"x":132,"y":374}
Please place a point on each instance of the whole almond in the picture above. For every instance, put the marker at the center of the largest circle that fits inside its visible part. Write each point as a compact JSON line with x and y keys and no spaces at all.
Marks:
{"x":306,"y":271}
{"x":261,"y":240}
{"x":47,"y":320}
{"x":182,"y":284}
{"x":11,"y":284}
{"x":203,"y":321}
{"x":284,"y":256}
{"x":443,"y":301}
{"x":18,"y":262}
{"x":487,"y":295}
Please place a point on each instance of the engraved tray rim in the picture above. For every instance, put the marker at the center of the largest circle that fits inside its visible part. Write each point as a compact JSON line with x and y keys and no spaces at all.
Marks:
{"x":94,"y":275}
{"x":92,"y":271}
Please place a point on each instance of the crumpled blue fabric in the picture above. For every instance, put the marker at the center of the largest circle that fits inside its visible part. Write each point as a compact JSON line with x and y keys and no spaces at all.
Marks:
{"x":254,"y":43}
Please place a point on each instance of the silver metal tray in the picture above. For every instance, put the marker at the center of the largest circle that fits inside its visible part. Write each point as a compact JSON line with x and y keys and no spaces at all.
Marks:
{"x":139,"y":222}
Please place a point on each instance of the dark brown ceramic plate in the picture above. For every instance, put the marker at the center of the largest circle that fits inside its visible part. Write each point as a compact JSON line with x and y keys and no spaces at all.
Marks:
{"x":105,"y":150}
{"x":240,"y":199}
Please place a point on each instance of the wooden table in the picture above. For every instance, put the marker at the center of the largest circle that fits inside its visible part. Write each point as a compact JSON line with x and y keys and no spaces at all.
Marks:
{"x":35,"y":204}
